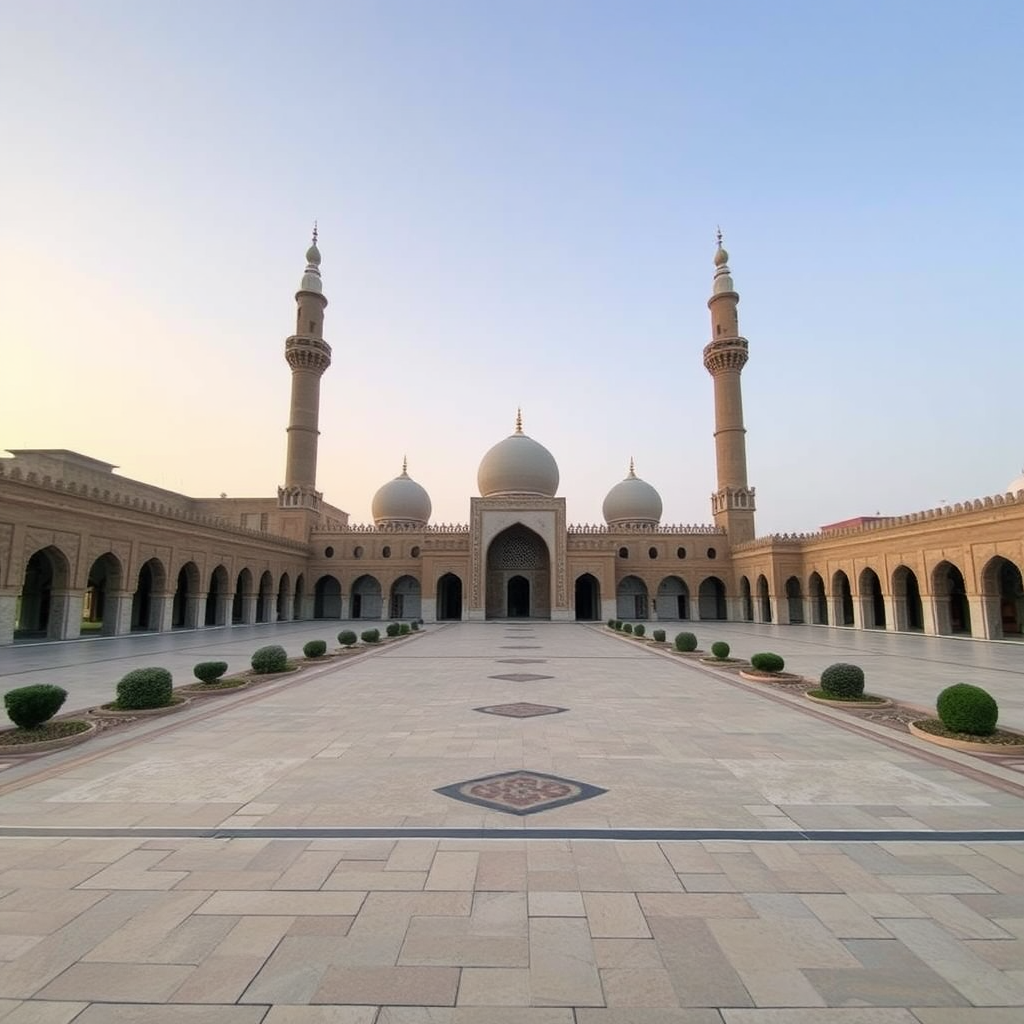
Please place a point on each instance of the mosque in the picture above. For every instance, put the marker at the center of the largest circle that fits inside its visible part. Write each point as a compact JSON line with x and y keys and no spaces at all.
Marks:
{"x":86,"y":552}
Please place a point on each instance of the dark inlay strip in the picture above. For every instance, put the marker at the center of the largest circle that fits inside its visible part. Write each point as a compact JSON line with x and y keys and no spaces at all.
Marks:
{"x":618,"y":835}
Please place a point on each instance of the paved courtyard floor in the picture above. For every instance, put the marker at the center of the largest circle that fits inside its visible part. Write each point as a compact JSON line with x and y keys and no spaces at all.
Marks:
{"x":513,"y":823}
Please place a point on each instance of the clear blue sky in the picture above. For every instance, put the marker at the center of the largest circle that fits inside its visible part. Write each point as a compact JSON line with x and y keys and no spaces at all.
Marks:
{"x":517,"y":206}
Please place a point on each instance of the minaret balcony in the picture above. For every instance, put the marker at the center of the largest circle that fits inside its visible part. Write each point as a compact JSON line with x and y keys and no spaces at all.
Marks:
{"x":726,"y":354}
{"x":731,"y":499}
{"x":305,"y":352}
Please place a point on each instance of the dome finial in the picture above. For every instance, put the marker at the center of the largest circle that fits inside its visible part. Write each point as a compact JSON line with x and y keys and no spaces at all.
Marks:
{"x":405,"y":465}
{"x":315,"y":234}
{"x":721,"y":256}
{"x":632,"y":468}
{"x":519,"y":420}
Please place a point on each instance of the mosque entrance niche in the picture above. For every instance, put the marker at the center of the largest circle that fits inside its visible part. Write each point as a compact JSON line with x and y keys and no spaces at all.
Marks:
{"x":711,"y":599}
{"x":631,"y":599}
{"x":908,"y":610}
{"x":518,"y":602}
{"x":588,"y":598}
{"x":405,"y":598}
{"x":819,"y":601}
{"x":518,"y":552}
{"x":449,"y":597}
{"x":672,"y":600}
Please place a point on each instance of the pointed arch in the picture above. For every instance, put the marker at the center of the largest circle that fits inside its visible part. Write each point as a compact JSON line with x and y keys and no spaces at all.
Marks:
{"x":44,"y":605}
{"x":283,"y":605}
{"x":631,"y":599}
{"x":794,"y":600}
{"x":299,"y":600}
{"x":673,"y":599}
{"x":327,"y":598}
{"x":367,"y":599}
{"x":150,"y":589}
{"x":243,"y":602}
{"x":907,"y":608}
{"x":587,"y":598}
{"x":842,"y":599}
{"x":872,"y":601}
{"x":449,"y":597}
{"x":819,"y":600}
{"x":764,"y":600}
{"x":185,"y":602}
{"x":518,"y":551}
{"x":747,"y":599}
{"x":406,"y":598}
{"x":949,"y":600}
{"x":102,"y":589}
{"x":218,"y":598}
{"x":1002,"y":598}
{"x":711,"y":599}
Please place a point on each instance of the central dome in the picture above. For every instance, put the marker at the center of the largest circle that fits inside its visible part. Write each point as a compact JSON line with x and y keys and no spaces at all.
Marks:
{"x":401,"y":502}
{"x":518,"y":465}
{"x":632,"y":502}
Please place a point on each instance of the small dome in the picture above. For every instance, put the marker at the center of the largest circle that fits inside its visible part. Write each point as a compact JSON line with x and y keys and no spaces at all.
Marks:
{"x":1016,"y":485}
{"x":518,"y":465}
{"x":721,"y":256}
{"x":401,"y":502}
{"x":632,"y":502}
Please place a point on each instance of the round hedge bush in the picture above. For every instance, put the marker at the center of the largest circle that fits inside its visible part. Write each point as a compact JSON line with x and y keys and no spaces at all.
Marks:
{"x":627,"y":627}
{"x":415,"y":625}
{"x":210,"y":671}
{"x":686,"y":642}
{"x":618,"y":624}
{"x":720,"y":649}
{"x":314,"y":648}
{"x":659,"y":636}
{"x":969,"y":709}
{"x":768,"y":662}
{"x":611,"y":623}
{"x":28,"y":707}
{"x":639,"y":629}
{"x":842,"y":680}
{"x":370,"y":636}
{"x":270,"y":659}
{"x":145,"y":688}
{"x":392,"y":629}
{"x":347,"y":638}
{"x":404,"y":629}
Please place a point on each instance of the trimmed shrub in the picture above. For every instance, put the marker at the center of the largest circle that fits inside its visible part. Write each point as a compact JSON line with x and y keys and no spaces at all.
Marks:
{"x":210,"y":671}
{"x":720,"y":649}
{"x":403,"y":629}
{"x":659,"y":635}
{"x":639,"y":629}
{"x":611,"y":623}
{"x":686,"y":642}
{"x":370,"y":636}
{"x":28,"y":707}
{"x":842,"y":680}
{"x":347,"y":638}
{"x":145,"y":688}
{"x":415,"y":625}
{"x":768,"y":662}
{"x":627,"y":627}
{"x":966,"y":708}
{"x":314,"y":648}
{"x":270,"y":659}
{"x":392,"y":629}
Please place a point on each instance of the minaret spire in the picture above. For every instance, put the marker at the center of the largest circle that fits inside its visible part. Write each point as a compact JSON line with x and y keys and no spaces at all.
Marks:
{"x":519,"y":421}
{"x":732,"y":504}
{"x":309,"y":356}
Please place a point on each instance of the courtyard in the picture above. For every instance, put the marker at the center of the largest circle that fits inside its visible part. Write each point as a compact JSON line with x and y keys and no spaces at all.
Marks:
{"x":514,"y":822}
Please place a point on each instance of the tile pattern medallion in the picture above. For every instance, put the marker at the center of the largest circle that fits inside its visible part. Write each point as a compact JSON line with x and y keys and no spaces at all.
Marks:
{"x":521,"y":709}
{"x":520,"y":677}
{"x":522,"y":792}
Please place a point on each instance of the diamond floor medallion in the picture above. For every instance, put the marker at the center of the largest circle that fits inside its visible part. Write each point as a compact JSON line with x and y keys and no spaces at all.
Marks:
{"x":521,"y":661}
{"x":521,"y":792}
{"x":521,"y":709}
{"x":520,"y":677}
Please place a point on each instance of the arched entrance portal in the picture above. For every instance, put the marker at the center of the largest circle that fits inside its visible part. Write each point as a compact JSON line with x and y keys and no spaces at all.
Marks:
{"x":952,"y":614}
{"x":449,"y":597}
{"x":99,"y":612}
{"x":588,"y":598}
{"x":518,"y":554}
{"x":43,"y":605}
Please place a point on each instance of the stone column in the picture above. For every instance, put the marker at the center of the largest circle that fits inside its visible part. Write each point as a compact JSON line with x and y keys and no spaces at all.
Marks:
{"x":65,"y":615}
{"x":8,"y":609}
{"x":195,"y":611}
{"x":249,"y":602}
{"x":117,"y":614}
{"x":161,"y":612}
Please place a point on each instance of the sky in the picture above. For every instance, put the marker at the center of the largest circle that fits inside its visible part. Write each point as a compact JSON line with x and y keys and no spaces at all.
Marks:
{"x":517,"y":206}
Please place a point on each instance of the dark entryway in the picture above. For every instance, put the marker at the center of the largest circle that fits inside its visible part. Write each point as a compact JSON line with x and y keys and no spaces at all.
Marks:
{"x":449,"y":597}
{"x":518,"y":597}
{"x":588,"y":602}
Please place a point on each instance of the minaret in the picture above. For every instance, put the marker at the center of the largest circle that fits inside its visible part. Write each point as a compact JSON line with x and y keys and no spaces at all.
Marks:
{"x":732,"y":504}
{"x":308,"y":355}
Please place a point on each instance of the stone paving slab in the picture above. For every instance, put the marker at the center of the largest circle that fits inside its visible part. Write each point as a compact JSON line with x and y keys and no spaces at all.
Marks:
{"x":302,"y":928}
